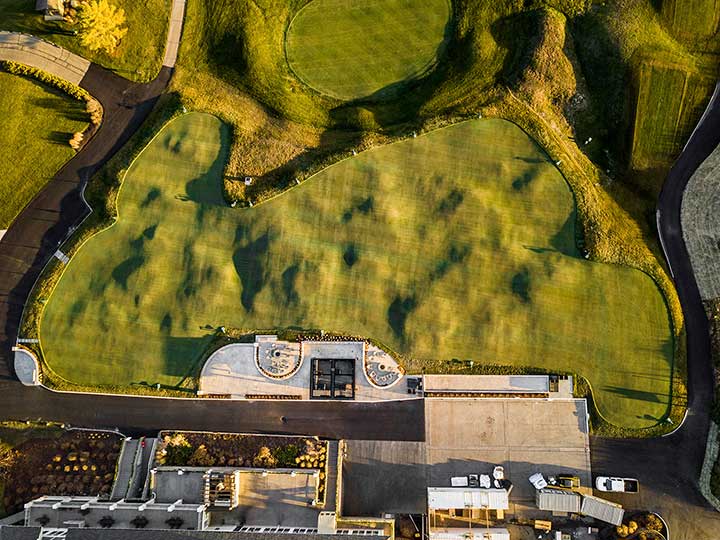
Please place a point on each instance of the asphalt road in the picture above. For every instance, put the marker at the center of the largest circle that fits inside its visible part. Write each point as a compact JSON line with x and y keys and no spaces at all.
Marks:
{"x":39,"y":229}
{"x":392,"y":420}
{"x":669,"y":467}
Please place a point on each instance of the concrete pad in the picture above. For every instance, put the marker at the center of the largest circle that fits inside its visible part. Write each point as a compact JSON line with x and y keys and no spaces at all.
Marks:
{"x":469,"y":436}
{"x":277,"y":499}
{"x":27,"y":368}
{"x":40,"y":54}
{"x":232,"y":370}
{"x":384,"y":476}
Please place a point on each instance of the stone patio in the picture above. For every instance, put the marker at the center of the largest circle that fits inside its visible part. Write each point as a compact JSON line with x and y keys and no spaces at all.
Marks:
{"x":256,"y":371}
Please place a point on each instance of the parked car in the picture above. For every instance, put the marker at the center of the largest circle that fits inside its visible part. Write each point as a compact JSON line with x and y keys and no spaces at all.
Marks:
{"x":538,"y":480}
{"x":568,"y":481}
{"x":617,"y":485}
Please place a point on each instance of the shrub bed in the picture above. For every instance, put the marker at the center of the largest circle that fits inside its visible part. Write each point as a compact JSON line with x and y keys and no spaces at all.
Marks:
{"x":76,"y":463}
{"x":70,"y":89}
{"x":231,"y":450}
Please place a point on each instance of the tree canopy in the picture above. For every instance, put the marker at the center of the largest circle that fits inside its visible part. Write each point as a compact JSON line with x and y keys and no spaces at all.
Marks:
{"x":101,"y":25}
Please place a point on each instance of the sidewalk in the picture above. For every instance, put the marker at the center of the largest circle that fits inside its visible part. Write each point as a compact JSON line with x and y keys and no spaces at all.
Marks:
{"x":35,"y":52}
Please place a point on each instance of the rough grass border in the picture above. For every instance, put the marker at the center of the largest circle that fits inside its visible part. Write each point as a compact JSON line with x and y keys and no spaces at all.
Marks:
{"x":15,"y":68}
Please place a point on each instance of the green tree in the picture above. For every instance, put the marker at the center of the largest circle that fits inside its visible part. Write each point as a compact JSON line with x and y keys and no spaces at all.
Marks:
{"x":101,"y":25}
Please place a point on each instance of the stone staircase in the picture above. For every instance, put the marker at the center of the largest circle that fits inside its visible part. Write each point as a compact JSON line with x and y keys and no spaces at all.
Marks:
{"x":133,"y":466}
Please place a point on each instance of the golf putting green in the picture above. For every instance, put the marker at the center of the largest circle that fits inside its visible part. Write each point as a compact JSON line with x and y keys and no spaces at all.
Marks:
{"x":356,"y":49}
{"x":455,"y":244}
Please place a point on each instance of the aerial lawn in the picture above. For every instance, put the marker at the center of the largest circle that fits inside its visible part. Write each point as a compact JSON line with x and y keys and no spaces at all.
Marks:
{"x":681,"y":94}
{"x":457,"y":244}
{"x":140,"y":53}
{"x":37,"y":123}
{"x":355,"y":50}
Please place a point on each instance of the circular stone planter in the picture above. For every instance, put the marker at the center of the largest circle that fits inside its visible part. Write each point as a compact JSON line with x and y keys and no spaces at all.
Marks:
{"x":380,"y":369}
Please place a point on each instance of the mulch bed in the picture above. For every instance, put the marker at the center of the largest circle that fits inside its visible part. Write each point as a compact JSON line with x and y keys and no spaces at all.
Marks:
{"x":76,"y":463}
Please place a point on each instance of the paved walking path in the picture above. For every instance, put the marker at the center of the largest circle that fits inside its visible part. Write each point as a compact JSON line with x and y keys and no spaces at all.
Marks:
{"x":41,"y":54}
{"x":174,"y":32}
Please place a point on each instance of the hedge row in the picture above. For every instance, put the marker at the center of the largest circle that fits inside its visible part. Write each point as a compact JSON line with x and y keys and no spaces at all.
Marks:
{"x":43,"y":76}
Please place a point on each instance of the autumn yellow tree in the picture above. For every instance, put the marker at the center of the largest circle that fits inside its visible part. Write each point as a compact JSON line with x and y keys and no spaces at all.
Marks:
{"x":101,"y":25}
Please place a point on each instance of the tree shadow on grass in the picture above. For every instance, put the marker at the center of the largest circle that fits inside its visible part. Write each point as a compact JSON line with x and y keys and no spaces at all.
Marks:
{"x":182,"y":355}
{"x":249,"y":261}
{"x":59,"y":137}
{"x":207,"y":188}
{"x":122,"y":272}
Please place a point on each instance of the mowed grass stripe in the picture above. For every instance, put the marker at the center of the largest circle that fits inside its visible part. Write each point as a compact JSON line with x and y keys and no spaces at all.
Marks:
{"x":457,"y":244}
{"x":353,"y":50}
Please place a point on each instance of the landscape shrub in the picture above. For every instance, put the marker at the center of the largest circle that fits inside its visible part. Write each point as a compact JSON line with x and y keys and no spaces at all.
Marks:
{"x":176,"y":450}
{"x":264,"y":458}
{"x":51,"y":462}
{"x":70,"y":89}
{"x":201,"y":458}
{"x":102,"y":25}
{"x":95,"y":110}
{"x":286,"y":455}
{"x":76,"y":140}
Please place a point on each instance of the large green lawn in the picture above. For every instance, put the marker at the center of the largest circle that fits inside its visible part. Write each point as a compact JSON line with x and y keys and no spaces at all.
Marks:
{"x":355,"y":49}
{"x":459,"y":243}
{"x":140,"y":53}
{"x":37,"y":123}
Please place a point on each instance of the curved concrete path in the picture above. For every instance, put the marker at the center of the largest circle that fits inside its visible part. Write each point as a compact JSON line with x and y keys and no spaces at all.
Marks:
{"x":41,"y":54}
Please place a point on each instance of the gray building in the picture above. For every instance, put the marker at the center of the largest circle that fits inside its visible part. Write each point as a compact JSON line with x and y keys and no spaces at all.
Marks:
{"x":557,"y":500}
{"x":603,"y":510}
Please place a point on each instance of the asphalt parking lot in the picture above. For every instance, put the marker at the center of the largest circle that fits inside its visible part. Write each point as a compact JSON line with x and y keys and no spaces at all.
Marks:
{"x":522,"y":435}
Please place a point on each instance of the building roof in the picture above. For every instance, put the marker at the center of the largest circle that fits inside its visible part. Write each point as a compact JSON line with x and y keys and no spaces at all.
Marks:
{"x":603,"y":510}
{"x":19,"y":533}
{"x":31,"y":533}
{"x":522,"y":384}
{"x":445,"y":498}
{"x":557,"y":500}
{"x":464,"y":534}
{"x":62,"y":512}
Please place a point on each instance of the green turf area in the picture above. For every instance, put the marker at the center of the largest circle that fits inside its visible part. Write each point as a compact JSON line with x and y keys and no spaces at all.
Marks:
{"x":681,"y":94}
{"x":37,"y":124}
{"x":459,"y":243}
{"x":140,"y":53}
{"x":697,"y":19}
{"x":368,"y":47}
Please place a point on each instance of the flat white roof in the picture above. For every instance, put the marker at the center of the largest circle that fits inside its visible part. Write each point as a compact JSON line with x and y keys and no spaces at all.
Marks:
{"x":464,"y":534}
{"x":444,"y":498}
{"x":535,"y":384}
